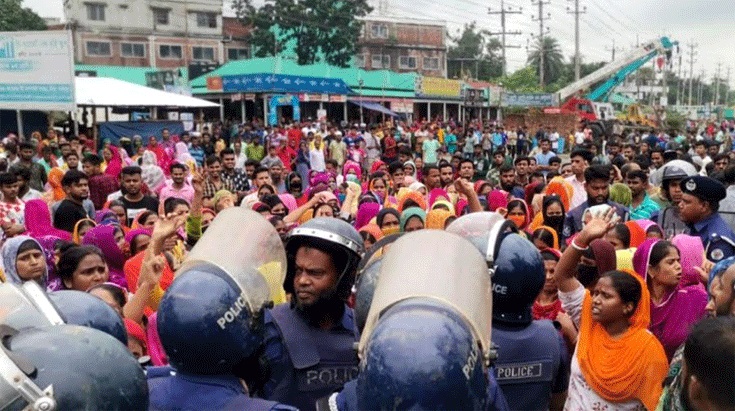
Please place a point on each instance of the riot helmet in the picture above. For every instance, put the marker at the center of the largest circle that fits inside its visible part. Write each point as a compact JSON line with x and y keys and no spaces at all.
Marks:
{"x":515,"y":263}
{"x":68,"y":367}
{"x":333,"y":236}
{"x":27,"y":305}
{"x":84,"y":309}
{"x":211,"y":317}
{"x":433,"y":306}
{"x":672,"y":170}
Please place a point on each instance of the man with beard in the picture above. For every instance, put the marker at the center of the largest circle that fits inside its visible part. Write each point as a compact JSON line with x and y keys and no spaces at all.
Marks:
{"x":446,"y":173}
{"x":597,"y":187}
{"x":699,"y":209}
{"x":237,"y":177}
{"x":309,"y":342}
{"x":467,"y":170}
{"x":71,"y":209}
{"x":521,"y":166}
{"x":678,"y":384}
{"x":508,"y":181}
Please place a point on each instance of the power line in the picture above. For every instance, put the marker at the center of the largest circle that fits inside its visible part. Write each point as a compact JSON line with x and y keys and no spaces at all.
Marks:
{"x":692,"y":45}
{"x":541,"y":33}
{"x":503,"y":32}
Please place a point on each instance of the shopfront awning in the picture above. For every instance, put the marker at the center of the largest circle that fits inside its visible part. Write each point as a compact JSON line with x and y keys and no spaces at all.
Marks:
{"x":375,"y":107}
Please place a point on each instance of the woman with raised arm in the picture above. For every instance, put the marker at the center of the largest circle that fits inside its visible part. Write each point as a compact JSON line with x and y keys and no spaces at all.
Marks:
{"x":618,"y":363}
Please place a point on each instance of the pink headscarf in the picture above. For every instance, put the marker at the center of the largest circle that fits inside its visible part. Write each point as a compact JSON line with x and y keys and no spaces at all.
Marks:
{"x":155,"y":348}
{"x":289,"y":201}
{"x":115,"y":165}
{"x":497,"y":199}
{"x":435,"y":194}
{"x":354,"y":167}
{"x":103,"y":237}
{"x":38,"y":221}
{"x":677,"y":312}
{"x":691,"y":251}
{"x":365,"y":213}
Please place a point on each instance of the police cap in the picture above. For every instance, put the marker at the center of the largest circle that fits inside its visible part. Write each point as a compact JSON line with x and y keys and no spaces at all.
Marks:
{"x":705,"y":188}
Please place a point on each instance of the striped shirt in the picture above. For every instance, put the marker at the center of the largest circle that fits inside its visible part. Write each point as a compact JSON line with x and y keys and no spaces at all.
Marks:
{"x":644,"y":210}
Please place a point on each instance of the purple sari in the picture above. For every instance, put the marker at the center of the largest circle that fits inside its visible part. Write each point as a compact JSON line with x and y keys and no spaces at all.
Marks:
{"x":103,"y":237}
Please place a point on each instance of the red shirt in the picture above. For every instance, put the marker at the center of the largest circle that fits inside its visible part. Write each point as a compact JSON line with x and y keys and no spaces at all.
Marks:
{"x":100,"y":186}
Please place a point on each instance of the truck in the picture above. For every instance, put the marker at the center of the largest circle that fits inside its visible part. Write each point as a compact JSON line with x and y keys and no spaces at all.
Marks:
{"x":593,"y":109}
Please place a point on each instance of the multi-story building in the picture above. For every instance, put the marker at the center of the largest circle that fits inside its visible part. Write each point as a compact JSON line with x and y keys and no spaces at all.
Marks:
{"x":403,"y":45}
{"x":152,"y":33}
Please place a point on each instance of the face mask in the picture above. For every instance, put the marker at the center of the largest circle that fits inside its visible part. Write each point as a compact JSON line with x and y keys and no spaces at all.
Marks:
{"x":391,"y":230}
{"x":518,"y":220}
{"x":296,"y":185}
{"x":555,"y":221}
{"x":586,"y":274}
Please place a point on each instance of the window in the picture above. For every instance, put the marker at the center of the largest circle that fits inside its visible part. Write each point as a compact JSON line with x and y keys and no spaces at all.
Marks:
{"x":170,"y":52}
{"x":407,"y":62}
{"x":132,"y":50}
{"x":95,"y":12}
{"x":431,"y":63}
{"x":203,"y":53}
{"x":207,"y":20}
{"x":237,"y":54}
{"x":160,"y":16}
{"x":380,"y":61}
{"x":360,"y":61}
{"x":98,"y":48}
{"x":379,"y":31}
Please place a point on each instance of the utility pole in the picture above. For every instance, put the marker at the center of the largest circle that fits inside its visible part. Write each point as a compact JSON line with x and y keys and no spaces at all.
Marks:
{"x":541,"y":17}
{"x":700,"y":96}
{"x":576,"y":13}
{"x":691,"y":62}
{"x":717,"y":84}
{"x":678,"y":82}
{"x":502,"y":33}
{"x":727,"y":91}
{"x":637,"y":73}
{"x":613,"y":49}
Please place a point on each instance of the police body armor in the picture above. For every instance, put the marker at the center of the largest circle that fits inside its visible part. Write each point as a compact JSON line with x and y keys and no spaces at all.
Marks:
{"x":522,"y":370}
{"x":323,"y":361}
{"x":196,"y":392}
{"x":670,"y":222}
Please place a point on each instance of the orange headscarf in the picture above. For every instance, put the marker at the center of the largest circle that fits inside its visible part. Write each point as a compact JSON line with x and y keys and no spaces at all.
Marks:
{"x":554,"y":235}
{"x":436,"y":219}
{"x":414,"y":196}
{"x":560,"y":187}
{"x":54,"y":180}
{"x":75,"y":235}
{"x":637,"y":235}
{"x":629,"y":367}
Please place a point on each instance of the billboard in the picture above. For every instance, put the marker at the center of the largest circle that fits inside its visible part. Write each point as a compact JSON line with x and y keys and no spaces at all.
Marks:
{"x":527,"y":100}
{"x":439,"y":87}
{"x":37,"y":70}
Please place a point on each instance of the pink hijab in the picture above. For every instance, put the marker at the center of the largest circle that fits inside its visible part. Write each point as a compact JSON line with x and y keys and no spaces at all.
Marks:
{"x":365,"y":213}
{"x":38,"y":221}
{"x":435,"y":194}
{"x":691,"y":250}
{"x":155,"y":348}
{"x":677,"y":312}
{"x":289,"y":201}
{"x":115,"y":165}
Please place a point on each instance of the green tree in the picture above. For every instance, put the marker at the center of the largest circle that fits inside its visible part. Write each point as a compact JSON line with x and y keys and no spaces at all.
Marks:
{"x":315,"y":29}
{"x":524,"y":80}
{"x":474,"y":53}
{"x":14,"y":17}
{"x":553,"y":59}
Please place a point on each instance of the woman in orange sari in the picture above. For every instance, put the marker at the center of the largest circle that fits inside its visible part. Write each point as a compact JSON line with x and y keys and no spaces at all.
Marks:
{"x":618,"y":364}
{"x":54,"y":181}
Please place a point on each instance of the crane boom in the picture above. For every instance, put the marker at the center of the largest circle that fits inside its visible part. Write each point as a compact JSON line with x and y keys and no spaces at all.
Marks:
{"x":616,"y":70}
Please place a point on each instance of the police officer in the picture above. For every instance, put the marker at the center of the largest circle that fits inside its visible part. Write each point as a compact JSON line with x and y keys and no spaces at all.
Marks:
{"x":532,"y":364}
{"x":426,"y":343}
{"x":668,"y":216}
{"x":309,"y":347}
{"x":68,"y":367}
{"x":210,"y":320}
{"x":698,"y":208}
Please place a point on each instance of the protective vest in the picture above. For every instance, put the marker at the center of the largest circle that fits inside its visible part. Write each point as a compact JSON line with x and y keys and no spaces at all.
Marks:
{"x":528,"y":364}
{"x":323,"y":361}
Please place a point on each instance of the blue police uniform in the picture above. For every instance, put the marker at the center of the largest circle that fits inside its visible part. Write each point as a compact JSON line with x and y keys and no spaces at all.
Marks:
{"x":717,"y":237}
{"x":346,"y":400}
{"x":528,"y":375}
{"x":306,"y":362}
{"x":170,"y":390}
{"x":573,"y":220}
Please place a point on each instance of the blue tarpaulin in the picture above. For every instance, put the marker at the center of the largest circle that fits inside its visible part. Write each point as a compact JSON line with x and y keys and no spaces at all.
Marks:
{"x":114,"y":130}
{"x":375,"y":107}
{"x":281,"y":83}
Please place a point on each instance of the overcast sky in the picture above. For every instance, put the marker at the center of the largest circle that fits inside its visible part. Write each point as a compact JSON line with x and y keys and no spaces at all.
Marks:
{"x":605,"y":21}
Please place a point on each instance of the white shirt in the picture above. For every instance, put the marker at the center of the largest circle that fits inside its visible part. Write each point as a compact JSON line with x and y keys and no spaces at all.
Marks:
{"x":579,"y":195}
{"x":579,"y":137}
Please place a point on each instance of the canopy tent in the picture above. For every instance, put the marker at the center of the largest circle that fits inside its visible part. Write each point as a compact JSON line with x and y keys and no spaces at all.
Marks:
{"x":110,"y":92}
{"x":375,"y":107}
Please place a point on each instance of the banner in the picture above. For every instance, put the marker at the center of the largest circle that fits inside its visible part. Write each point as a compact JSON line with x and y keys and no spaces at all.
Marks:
{"x":37,"y":71}
{"x":527,"y":100}
{"x":283,"y":83}
{"x":440,"y":87}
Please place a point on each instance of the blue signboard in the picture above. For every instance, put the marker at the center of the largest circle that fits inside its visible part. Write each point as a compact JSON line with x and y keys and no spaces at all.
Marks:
{"x":527,"y":100}
{"x":281,"y":83}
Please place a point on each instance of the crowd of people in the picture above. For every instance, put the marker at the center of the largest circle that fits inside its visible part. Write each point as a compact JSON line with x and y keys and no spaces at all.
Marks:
{"x":608,"y":256}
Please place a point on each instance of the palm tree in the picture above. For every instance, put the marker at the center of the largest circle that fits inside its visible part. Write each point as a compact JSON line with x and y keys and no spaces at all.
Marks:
{"x":553,"y":59}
